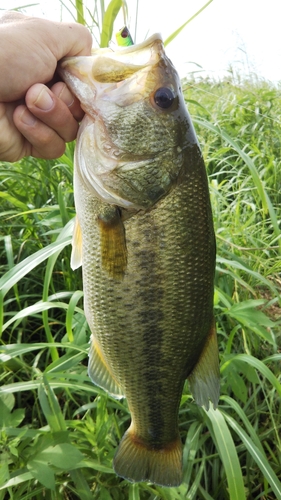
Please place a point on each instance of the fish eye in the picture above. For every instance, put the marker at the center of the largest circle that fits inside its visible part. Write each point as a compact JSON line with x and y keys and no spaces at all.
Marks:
{"x":164,"y":97}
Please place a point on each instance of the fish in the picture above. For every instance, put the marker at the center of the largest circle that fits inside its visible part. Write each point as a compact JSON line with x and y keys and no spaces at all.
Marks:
{"x":144,"y":236}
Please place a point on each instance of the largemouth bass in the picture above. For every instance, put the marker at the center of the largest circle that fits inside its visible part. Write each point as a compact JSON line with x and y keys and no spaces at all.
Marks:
{"x":144,"y":236}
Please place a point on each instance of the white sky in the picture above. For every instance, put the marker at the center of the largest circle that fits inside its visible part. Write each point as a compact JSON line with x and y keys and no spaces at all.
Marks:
{"x":242,"y":34}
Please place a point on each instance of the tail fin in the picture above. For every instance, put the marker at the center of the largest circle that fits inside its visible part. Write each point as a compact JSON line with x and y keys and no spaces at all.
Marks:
{"x":136,"y":461}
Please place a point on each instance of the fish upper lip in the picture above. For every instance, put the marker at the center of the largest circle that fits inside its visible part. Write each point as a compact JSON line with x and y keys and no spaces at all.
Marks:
{"x":131,"y":48}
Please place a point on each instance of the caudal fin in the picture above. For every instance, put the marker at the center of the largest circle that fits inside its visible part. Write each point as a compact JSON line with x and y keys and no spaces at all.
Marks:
{"x":136,"y":461}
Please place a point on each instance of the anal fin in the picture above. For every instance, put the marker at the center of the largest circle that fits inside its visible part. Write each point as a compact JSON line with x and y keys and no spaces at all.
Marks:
{"x":113,"y":242}
{"x":100,"y":373}
{"x":204,"y":380}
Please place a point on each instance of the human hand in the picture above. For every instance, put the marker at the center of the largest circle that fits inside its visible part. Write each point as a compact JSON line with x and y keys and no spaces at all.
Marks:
{"x":35,"y":119}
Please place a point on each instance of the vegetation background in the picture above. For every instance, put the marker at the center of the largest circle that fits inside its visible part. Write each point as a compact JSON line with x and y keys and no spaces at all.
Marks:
{"x":58,"y":432}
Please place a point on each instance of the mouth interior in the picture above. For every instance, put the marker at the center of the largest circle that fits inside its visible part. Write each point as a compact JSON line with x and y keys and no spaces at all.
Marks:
{"x":115,"y":66}
{"x":111,"y":71}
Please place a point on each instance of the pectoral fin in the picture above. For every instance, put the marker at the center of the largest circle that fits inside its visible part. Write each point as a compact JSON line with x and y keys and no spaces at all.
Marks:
{"x":204,"y":380}
{"x":113,"y":242}
{"x":100,"y":373}
{"x":76,"y":254}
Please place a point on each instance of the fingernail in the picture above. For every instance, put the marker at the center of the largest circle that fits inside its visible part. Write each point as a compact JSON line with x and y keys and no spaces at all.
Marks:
{"x":67,"y":98}
{"x":44,"y":101}
{"x":27,"y":118}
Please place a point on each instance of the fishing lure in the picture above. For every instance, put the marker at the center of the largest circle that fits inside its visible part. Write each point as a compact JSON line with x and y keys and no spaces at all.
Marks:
{"x":124,"y":38}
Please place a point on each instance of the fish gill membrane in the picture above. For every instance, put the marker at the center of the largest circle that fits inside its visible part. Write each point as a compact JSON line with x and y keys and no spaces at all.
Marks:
{"x":144,"y":236}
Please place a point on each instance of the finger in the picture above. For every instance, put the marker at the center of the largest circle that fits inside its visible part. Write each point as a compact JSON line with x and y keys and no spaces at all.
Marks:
{"x":41,"y":140}
{"x":11,"y":141}
{"x":62,"y":92}
{"x":52,"y":111}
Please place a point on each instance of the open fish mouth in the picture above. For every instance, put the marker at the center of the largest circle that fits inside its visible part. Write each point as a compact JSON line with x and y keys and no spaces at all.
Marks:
{"x":117,"y":65}
{"x":121,"y":74}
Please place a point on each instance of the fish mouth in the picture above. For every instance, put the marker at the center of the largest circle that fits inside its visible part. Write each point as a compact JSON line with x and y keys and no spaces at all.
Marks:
{"x":126,"y":60}
{"x":121,"y":64}
{"x":106,"y":69}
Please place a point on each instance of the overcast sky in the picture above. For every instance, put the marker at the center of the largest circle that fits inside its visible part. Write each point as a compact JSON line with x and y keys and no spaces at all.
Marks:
{"x":242,"y":34}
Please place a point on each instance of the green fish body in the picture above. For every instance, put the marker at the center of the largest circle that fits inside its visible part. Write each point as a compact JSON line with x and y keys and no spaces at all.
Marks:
{"x":144,"y":236}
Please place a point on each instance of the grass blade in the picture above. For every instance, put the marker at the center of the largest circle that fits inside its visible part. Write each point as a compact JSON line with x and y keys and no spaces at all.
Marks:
{"x":259,"y":365}
{"x":10,"y":351}
{"x":20,"y":270}
{"x":257,"y":456}
{"x":35,"y":309}
{"x":108,"y":21}
{"x":175,"y":33}
{"x":228,"y":454}
{"x":81,"y":484}
{"x":245,"y":421}
{"x":50,"y":408}
{"x":80,"y":11}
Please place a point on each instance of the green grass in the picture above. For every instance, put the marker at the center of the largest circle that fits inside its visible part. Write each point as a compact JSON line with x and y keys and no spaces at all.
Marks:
{"x":58,"y":432}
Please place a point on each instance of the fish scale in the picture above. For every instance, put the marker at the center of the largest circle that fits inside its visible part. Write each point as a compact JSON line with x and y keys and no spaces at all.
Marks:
{"x":147,"y":252}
